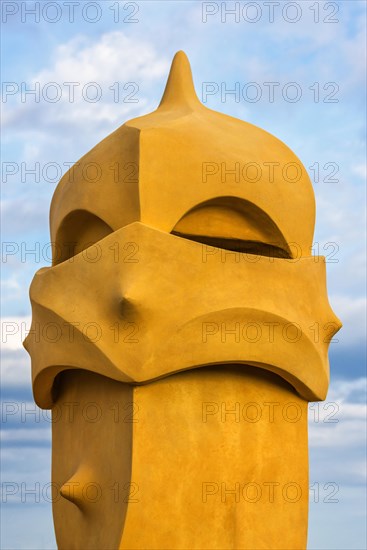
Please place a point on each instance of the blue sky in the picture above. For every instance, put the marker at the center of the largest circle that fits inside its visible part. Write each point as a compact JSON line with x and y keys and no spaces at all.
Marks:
{"x":312,"y":51}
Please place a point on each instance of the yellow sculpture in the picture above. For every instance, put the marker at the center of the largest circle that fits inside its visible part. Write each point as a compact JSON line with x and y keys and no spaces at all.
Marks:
{"x":180,"y":333}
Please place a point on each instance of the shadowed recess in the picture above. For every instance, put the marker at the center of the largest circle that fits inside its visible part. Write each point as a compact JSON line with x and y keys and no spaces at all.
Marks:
{"x":79,"y":230}
{"x":233,"y":224}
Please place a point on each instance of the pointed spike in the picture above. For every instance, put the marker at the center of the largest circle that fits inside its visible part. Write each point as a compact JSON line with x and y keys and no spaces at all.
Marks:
{"x":180,"y":90}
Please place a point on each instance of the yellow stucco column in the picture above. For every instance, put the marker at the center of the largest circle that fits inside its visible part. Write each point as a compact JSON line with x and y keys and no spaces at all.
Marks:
{"x":180,"y":334}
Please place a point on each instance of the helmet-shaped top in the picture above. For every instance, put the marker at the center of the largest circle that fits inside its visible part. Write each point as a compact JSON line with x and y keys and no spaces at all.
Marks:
{"x":188,"y":170}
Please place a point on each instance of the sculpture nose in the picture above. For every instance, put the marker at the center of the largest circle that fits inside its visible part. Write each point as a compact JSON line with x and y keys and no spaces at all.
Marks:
{"x":81,"y":488}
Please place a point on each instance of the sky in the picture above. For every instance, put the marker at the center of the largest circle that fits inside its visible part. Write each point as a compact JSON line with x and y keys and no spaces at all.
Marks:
{"x":73,"y":74}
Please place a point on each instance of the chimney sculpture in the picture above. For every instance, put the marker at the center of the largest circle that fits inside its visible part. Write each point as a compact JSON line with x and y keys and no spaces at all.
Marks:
{"x":180,"y":334}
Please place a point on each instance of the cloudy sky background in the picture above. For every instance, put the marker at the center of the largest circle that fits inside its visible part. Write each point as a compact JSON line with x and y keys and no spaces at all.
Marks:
{"x":323,"y":50}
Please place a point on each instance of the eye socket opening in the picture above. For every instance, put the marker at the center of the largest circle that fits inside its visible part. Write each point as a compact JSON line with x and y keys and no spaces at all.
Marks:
{"x":257,"y":248}
{"x":79,"y":230}
{"x":233,"y":224}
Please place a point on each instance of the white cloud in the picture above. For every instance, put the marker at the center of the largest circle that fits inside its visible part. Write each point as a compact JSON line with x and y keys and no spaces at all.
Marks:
{"x":15,"y":364}
{"x":360,"y":170}
{"x":340,"y":422}
{"x":15,"y":369}
{"x":343,"y":434}
{"x":352,"y":312}
{"x":343,"y":389}
{"x":10,"y":284}
{"x":21,"y":216}
{"x":312,"y":47}
{"x":114,"y":60}
{"x":13,"y":332}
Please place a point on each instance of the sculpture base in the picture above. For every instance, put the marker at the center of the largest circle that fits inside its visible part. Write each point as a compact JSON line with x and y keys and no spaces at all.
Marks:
{"x":211,"y":458}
